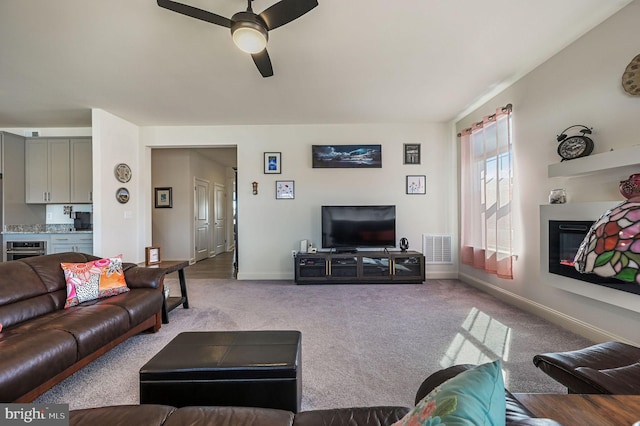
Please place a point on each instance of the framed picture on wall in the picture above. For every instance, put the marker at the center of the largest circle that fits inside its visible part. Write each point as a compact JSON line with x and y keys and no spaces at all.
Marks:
{"x":164,"y":198}
{"x":411,"y":153}
{"x":416,"y":184}
{"x":272,"y":163}
{"x":346,"y":156}
{"x":284,"y":190}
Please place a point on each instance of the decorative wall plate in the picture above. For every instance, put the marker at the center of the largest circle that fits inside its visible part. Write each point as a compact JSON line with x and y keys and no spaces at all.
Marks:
{"x":122,"y":195}
{"x":631,"y":77}
{"x":122,"y":172}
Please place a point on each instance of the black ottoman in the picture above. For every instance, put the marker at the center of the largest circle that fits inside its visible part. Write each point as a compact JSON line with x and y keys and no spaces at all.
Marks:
{"x":231,"y":368}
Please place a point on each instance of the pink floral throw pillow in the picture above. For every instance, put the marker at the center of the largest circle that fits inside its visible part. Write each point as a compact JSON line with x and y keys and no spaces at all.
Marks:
{"x":93,"y":280}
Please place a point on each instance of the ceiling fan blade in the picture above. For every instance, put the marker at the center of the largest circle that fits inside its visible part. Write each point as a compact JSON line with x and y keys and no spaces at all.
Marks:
{"x":286,"y":11}
{"x":262,"y":61}
{"x":194,"y":12}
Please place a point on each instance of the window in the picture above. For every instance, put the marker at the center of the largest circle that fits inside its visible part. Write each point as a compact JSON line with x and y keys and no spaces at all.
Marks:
{"x":486,"y":189}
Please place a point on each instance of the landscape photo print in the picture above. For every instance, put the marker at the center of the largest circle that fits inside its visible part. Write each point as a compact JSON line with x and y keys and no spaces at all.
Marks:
{"x":346,"y":156}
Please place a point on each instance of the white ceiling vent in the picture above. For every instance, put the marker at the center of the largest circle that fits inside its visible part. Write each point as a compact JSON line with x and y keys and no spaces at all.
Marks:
{"x":437,"y":249}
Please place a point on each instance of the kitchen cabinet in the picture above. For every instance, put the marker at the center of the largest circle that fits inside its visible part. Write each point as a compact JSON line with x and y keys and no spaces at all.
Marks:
{"x":81,"y":242}
{"x":58,"y":170}
{"x":81,"y":171}
{"x":23,"y":237}
{"x":78,"y":242}
{"x":47,"y":171}
{"x":15,"y":210}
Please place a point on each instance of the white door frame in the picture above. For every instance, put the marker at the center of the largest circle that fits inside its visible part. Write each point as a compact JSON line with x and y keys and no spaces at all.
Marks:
{"x":219,"y":218}
{"x":202,"y":230}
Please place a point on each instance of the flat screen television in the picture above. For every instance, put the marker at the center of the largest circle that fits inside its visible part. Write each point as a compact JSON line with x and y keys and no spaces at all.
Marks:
{"x":351,"y":227}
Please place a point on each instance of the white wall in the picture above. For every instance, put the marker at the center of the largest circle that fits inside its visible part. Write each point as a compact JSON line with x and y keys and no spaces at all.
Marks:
{"x":580,"y":85}
{"x":56,"y":215}
{"x":172,"y":229}
{"x":269,"y":229}
{"x":119,"y":228}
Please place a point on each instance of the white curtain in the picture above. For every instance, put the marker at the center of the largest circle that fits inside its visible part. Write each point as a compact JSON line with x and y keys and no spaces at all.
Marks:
{"x":486,"y":189}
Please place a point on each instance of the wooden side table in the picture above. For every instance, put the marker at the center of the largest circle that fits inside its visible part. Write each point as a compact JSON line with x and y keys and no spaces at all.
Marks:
{"x":170,"y":303}
{"x":580,"y":410}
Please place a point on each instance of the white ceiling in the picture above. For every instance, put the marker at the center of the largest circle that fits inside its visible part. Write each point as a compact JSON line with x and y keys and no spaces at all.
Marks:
{"x":346,"y":61}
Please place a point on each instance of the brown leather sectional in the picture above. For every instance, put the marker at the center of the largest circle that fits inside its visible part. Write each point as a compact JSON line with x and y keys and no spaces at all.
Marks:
{"x":163,"y":415}
{"x":604,"y":368}
{"x":41,"y":343}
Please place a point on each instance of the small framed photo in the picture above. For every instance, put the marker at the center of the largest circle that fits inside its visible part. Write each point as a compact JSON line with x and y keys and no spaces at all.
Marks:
{"x":164,"y":199}
{"x":152,"y":256}
{"x":416,"y":184}
{"x":272,"y":163}
{"x":411,"y":153}
{"x":285,"y":190}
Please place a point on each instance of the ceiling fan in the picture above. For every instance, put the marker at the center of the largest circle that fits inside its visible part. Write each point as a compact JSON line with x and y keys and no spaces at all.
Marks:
{"x":250,"y":31}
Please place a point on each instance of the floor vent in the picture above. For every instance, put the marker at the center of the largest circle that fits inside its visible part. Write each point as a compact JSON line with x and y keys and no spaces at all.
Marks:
{"x":437,"y":249}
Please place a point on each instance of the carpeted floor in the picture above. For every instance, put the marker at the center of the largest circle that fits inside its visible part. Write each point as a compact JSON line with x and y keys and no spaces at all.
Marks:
{"x":361,"y":344}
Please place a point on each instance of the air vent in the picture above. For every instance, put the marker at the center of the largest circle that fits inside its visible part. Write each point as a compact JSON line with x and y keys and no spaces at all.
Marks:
{"x":437,"y":249}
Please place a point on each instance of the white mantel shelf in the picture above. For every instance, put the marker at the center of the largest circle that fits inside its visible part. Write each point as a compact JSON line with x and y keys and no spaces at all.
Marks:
{"x":596,"y":163}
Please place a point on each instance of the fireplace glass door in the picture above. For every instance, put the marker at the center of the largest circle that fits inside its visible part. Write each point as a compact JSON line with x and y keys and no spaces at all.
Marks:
{"x":565,"y":237}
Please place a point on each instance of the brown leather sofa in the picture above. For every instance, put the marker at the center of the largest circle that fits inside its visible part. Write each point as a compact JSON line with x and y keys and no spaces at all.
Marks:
{"x":41,"y":343}
{"x":163,"y":415}
{"x":603,"y":368}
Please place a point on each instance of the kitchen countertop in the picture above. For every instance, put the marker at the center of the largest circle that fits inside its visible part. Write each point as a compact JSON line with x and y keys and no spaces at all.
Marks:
{"x":55,"y":228}
{"x":46,"y":232}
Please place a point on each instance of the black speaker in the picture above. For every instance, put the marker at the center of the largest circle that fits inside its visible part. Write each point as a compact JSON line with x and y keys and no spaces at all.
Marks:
{"x":404,"y":244}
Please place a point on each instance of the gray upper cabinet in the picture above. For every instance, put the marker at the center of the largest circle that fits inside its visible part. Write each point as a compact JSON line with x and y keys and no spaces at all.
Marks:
{"x":81,"y":171}
{"x":50,"y":168}
{"x":36,"y":171}
{"x":14,"y":209}
{"x":47,"y":171}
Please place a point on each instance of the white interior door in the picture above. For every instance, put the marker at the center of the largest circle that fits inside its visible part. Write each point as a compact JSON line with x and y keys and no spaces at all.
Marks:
{"x":219,"y":227}
{"x":201,"y":218}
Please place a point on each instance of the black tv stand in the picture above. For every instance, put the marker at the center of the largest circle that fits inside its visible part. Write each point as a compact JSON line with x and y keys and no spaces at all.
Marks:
{"x":362,"y":267}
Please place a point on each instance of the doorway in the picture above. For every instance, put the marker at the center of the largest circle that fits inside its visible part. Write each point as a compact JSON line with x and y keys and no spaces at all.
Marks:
{"x":186,"y":231}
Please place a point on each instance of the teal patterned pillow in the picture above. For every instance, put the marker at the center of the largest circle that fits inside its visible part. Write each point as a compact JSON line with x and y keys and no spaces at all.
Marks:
{"x":473,"y":397}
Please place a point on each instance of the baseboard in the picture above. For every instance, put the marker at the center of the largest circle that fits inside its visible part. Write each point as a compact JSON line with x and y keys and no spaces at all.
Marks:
{"x":442,"y":275}
{"x":586,"y":330}
{"x":264,"y":276}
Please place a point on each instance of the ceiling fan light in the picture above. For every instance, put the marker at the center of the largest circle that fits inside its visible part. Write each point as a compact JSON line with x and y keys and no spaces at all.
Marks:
{"x":249,"y":38}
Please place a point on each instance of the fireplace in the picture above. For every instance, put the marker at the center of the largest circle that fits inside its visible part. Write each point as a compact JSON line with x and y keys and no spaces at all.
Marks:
{"x":565,"y":237}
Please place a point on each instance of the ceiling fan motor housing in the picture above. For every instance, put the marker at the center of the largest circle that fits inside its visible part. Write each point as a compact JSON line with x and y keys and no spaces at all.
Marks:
{"x":249,"y":21}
